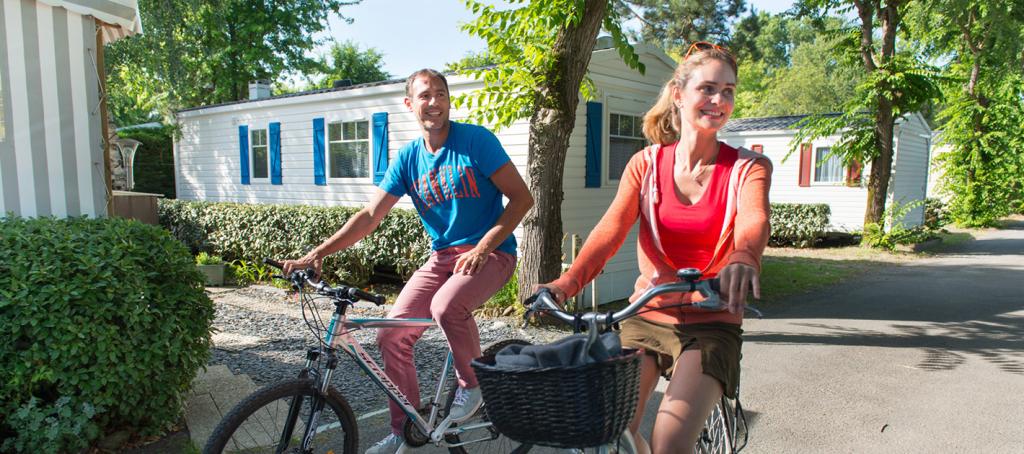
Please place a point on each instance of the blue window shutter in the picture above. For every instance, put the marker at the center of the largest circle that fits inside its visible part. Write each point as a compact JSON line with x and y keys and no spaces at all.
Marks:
{"x":380,"y":146}
{"x":275,"y":153}
{"x":243,"y":152}
{"x":319,"y":175}
{"x":595,"y":119}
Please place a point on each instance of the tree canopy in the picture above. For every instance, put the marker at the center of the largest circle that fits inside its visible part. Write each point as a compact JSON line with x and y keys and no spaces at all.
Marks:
{"x":347,"y":61}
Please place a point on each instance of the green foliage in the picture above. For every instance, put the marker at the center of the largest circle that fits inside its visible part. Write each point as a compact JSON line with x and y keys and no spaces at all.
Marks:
{"x":154,"y":159}
{"x":245,"y":272}
{"x":892,"y":231}
{"x":936,"y":215}
{"x":109,"y":312}
{"x":201,"y":52}
{"x":674,"y":25}
{"x":798,"y":224}
{"x":207,"y":259}
{"x":472,"y":60}
{"x":520,"y":41}
{"x":348,"y":62}
{"x":60,"y":427}
{"x":246,"y":234}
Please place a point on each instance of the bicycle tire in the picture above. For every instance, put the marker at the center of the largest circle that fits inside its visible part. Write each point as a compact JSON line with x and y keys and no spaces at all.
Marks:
{"x":500,"y":443}
{"x":247,"y":428}
{"x":719,"y":433}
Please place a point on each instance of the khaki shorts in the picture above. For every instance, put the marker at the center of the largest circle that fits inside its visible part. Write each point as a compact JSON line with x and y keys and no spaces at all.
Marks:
{"x":719,"y":345}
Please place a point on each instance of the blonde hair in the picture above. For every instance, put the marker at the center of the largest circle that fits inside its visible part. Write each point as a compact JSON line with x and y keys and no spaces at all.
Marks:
{"x":662,"y":123}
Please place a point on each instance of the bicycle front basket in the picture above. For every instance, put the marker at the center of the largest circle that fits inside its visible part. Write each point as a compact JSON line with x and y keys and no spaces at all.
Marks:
{"x":564,"y":407}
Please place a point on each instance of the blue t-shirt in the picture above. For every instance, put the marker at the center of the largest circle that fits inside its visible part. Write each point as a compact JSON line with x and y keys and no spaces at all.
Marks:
{"x":452,"y":189}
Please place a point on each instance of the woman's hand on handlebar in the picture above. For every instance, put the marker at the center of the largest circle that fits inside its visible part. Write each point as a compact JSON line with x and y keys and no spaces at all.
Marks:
{"x":310,"y":260}
{"x":555,"y":290}
{"x":735,"y":279}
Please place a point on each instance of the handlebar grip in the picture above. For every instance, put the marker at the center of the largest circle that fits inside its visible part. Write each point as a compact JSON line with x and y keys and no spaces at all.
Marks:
{"x":375,"y":299}
{"x":273,"y":263}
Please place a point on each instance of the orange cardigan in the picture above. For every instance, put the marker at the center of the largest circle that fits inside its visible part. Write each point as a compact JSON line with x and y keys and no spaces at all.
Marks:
{"x":743,"y":237}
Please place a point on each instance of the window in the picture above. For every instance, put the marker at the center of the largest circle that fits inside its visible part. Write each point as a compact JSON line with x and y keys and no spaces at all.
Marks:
{"x":828,"y":167}
{"x":260,"y":155}
{"x":625,"y":138}
{"x":348,"y":149}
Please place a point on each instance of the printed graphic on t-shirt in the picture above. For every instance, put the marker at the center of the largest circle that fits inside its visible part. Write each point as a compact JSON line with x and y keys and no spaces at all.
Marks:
{"x":445,"y":183}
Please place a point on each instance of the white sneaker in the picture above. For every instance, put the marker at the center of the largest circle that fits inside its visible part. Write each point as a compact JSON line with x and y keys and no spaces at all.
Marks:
{"x":466,"y":403}
{"x":389,"y":445}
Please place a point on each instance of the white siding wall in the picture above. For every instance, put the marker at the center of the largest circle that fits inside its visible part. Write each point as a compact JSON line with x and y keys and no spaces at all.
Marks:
{"x":846,"y":203}
{"x":910,"y":166}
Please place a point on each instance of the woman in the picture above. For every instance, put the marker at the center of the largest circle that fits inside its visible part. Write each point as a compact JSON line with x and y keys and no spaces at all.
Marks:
{"x":701,"y":204}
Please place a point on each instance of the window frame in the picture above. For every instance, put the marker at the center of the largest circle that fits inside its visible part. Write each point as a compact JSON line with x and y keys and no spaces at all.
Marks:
{"x":327,"y":147}
{"x":252,"y":153}
{"x":843,"y":169}
{"x":606,"y":178}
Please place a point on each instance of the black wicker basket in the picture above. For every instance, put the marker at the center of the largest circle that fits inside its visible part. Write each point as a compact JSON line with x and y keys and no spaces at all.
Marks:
{"x":564,"y":407}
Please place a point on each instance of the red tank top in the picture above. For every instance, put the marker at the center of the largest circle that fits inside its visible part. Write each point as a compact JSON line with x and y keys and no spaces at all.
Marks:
{"x":689,"y":233}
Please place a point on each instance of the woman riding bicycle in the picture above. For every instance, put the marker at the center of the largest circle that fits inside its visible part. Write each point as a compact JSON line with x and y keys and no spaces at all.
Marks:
{"x":701,"y":204}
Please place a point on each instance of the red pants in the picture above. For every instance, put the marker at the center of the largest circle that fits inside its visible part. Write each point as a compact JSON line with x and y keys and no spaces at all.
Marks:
{"x":435,"y":292}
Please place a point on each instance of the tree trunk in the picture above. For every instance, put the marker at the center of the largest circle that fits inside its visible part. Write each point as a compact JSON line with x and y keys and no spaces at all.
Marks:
{"x":885,"y":123}
{"x":550,"y":127}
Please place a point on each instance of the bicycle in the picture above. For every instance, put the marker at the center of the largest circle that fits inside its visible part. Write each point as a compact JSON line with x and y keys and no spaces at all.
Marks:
{"x":727,"y":423}
{"x":307,"y":415}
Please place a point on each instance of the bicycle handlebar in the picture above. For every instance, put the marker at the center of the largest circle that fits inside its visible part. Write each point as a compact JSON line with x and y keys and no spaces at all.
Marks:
{"x":544,"y":301}
{"x":309,"y":277}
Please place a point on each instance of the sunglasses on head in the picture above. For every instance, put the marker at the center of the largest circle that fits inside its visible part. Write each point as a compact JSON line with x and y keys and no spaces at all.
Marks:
{"x":701,"y":46}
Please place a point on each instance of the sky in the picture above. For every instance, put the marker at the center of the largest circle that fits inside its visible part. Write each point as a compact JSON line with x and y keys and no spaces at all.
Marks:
{"x":413,"y":34}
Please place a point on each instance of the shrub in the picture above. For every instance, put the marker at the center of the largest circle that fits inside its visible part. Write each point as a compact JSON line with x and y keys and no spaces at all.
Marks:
{"x":877,"y":237}
{"x":246,"y":234}
{"x":936,"y":215}
{"x":207,"y":259}
{"x":798,"y":224}
{"x":106,"y":312}
{"x":51,"y":428}
{"x":154,"y":160}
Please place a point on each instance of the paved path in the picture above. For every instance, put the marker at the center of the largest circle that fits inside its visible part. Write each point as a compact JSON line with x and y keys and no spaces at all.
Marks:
{"x":926,"y":357}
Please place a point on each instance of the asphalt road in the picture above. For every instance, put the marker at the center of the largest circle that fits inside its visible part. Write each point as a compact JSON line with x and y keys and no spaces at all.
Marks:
{"x":926,"y":357}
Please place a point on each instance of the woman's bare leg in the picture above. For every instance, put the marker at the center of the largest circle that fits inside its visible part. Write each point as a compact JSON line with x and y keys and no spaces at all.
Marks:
{"x":688,"y":401}
{"x":649,"y":374}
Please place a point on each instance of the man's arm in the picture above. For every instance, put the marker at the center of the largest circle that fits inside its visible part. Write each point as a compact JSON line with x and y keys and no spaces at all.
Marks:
{"x":511,"y":184}
{"x":358,"y":226}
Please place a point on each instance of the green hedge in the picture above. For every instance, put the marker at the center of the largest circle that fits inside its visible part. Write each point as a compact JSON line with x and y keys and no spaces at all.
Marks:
{"x":251,"y":232}
{"x":95,"y":314}
{"x":798,"y":224}
{"x":154,"y":160}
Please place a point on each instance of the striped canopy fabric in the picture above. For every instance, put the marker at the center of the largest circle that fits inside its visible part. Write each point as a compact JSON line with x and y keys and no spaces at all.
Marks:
{"x":120,"y":17}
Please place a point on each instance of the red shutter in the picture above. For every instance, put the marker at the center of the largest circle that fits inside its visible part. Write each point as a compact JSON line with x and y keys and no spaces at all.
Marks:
{"x":757,"y":148}
{"x":805,"y":165}
{"x":853,"y":173}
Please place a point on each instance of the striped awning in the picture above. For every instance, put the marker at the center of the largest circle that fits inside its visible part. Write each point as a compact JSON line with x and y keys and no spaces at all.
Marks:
{"x":120,"y":17}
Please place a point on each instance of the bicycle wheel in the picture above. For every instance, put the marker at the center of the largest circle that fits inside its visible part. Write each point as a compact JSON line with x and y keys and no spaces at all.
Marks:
{"x":260,"y":423}
{"x":719,"y":433}
{"x":490,"y":440}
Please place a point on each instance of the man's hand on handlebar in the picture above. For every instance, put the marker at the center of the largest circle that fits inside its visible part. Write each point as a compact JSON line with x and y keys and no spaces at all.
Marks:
{"x":555,"y":290}
{"x":735,"y":279}
{"x":310,"y":260}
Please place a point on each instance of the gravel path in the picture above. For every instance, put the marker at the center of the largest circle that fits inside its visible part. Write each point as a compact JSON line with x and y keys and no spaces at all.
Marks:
{"x":261,"y":333}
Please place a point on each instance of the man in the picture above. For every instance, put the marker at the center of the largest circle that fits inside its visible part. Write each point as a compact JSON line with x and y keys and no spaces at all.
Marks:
{"x":456,"y":175}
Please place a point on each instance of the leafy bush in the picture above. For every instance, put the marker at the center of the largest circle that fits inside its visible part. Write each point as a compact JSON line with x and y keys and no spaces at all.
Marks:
{"x":876,"y":236}
{"x":51,"y":428}
{"x":798,"y":224}
{"x":936,"y":215}
{"x":108,"y":312}
{"x":249,"y":233}
{"x":154,"y":160}
{"x":207,"y":259}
